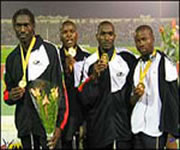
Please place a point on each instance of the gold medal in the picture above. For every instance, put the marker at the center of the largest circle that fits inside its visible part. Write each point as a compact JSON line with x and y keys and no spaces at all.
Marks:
{"x":72,"y":51}
{"x":141,"y":85}
{"x":105,"y":58}
{"x":22,"y":84}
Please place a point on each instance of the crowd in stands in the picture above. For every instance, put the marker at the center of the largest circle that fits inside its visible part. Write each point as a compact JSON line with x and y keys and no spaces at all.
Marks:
{"x":49,"y":29}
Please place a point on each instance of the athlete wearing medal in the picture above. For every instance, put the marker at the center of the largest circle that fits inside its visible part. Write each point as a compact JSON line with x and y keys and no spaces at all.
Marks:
{"x":33,"y":58}
{"x":154,"y":98}
{"x":72,"y":57}
{"x":23,"y":82}
{"x":104,"y":93}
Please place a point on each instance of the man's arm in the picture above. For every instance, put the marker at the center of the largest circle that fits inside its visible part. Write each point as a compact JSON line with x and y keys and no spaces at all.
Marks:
{"x":12,"y":93}
{"x":89,"y":89}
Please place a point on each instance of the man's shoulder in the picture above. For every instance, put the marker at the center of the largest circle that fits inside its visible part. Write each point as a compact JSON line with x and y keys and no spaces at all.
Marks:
{"x":50,"y":44}
{"x":45,"y":42}
{"x":50,"y":47}
{"x":13,"y":54}
{"x":125,"y":51}
{"x":165,"y":56}
{"x":91,"y":59}
{"x":126,"y":54}
{"x":84,"y":51}
{"x":170,"y":68}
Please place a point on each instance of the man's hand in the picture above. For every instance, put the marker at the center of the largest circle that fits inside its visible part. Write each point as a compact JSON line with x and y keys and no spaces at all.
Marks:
{"x":69,"y":63}
{"x":139,"y":90}
{"x":16,"y":93}
{"x":98,"y":68}
{"x":53,"y":141}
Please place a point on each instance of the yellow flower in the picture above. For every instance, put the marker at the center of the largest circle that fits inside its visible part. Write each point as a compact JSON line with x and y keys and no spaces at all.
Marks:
{"x":36,"y":92}
{"x":16,"y":145}
{"x":45,"y":100}
{"x":55,"y":93}
{"x":45,"y":103}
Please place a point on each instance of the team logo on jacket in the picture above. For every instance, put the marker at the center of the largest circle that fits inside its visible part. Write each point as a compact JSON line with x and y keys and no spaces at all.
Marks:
{"x":36,"y":62}
{"x":119,"y":74}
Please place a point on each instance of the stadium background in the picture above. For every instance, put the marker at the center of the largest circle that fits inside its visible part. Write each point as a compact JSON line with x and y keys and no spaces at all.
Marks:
{"x":48,"y":28}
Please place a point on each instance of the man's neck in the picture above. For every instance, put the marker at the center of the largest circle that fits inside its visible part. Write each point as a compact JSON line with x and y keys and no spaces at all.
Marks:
{"x":147,"y":56}
{"x":26,"y":44}
{"x":105,"y":50}
{"x":75,"y":47}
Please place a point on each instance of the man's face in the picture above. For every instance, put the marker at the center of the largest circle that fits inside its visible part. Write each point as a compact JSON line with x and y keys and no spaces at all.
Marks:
{"x":68,"y":35}
{"x":106,"y":37}
{"x":24,"y":28}
{"x":144,"y":42}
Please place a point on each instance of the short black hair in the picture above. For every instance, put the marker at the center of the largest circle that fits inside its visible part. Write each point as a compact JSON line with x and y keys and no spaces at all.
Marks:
{"x":24,"y":11}
{"x":144,"y":27}
{"x":106,"y":22}
{"x":68,"y":22}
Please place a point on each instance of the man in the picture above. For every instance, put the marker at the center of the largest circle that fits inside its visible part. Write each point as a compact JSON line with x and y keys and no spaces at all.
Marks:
{"x":155,"y":99}
{"x":72,"y":57}
{"x":32,"y":59}
{"x":104,"y":92}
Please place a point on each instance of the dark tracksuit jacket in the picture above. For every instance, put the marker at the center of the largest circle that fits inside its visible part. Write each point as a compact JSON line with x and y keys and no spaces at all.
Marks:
{"x":46,"y":68}
{"x":75,"y":108}
{"x":107,"y":100}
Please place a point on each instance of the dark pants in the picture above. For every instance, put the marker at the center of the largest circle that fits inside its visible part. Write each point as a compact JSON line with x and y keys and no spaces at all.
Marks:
{"x":143,"y":141}
{"x":109,"y":147}
{"x":124,"y":145}
{"x":66,"y":144}
{"x":71,"y":144}
{"x":37,"y":142}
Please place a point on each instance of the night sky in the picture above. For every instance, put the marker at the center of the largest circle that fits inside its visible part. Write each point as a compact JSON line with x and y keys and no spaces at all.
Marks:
{"x":94,"y":9}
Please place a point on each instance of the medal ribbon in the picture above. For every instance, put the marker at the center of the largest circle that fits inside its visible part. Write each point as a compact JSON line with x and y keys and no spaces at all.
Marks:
{"x":143,"y":74}
{"x":25,"y":60}
{"x":66,"y":52}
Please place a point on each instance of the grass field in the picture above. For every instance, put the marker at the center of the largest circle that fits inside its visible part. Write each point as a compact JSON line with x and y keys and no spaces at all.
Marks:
{"x":5,"y":109}
{"x":5,"y":52}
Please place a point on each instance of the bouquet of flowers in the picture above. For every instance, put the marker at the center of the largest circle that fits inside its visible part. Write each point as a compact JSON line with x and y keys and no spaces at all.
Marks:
{"x":170,"y":40}
{"x":45,"y":97}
